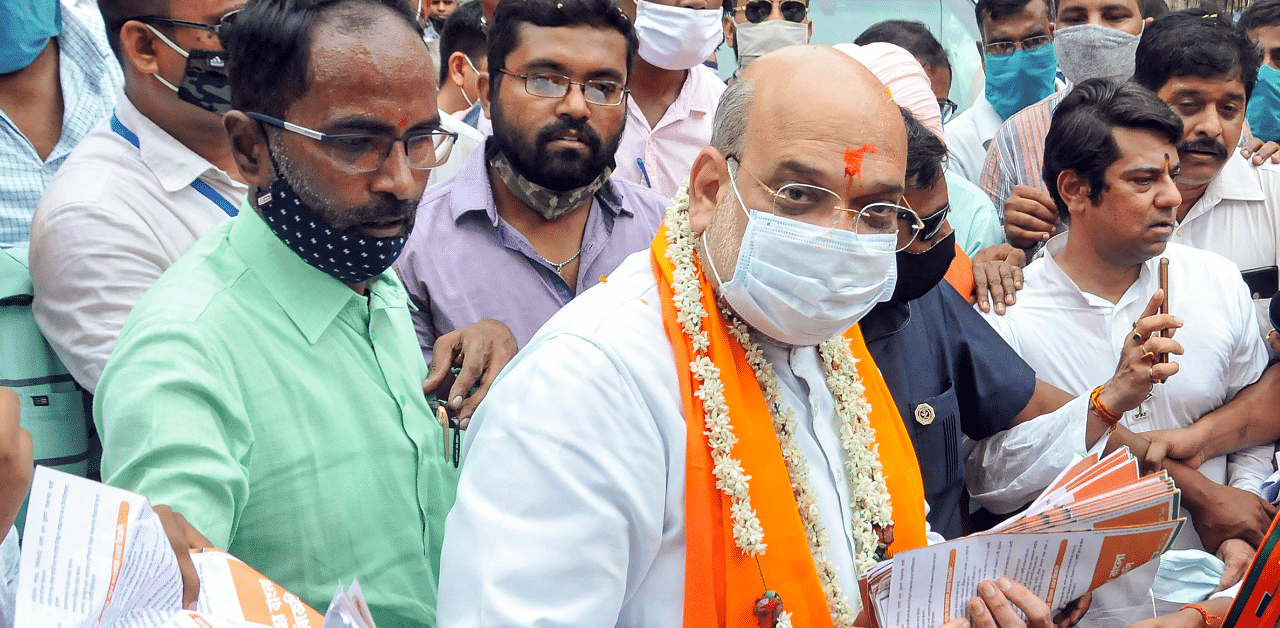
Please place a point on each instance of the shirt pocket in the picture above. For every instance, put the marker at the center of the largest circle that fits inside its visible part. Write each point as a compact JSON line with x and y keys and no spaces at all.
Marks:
{"x":936,"y":423}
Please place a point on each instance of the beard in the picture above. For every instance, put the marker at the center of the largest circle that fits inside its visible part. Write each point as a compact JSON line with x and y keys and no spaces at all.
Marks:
{"x":384,"y":207}
{"x":559,"y":170}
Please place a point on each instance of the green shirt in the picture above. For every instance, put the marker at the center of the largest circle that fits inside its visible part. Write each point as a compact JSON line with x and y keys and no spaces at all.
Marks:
{"x":283,"y":415}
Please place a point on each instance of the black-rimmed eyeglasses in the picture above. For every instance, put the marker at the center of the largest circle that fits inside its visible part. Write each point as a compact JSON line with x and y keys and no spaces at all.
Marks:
{"x":551,"y":85}
{"x":363,"y":152}
{"x":219,"y":30}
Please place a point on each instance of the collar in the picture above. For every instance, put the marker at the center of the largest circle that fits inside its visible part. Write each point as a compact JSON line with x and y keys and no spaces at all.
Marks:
{"x":1140,"y":289}
{"x":691,"y":101}
{"x":1237,"y":181}
{"x":886,"y":319}
{"x":472,"y":193}
{"x":309,"y":297}
{"x":174,"y":165}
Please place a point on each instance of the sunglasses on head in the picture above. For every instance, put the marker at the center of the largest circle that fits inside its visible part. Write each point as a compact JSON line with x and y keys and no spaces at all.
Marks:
{"x":758,"y":11}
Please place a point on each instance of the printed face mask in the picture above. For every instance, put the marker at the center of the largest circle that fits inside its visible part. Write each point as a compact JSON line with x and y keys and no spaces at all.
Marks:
{"x":677,"y":38}
{"x":205,"y":83}
{"x":801,"y":284}
{"x":1020,"y":79}
{"x":1094,"y":51}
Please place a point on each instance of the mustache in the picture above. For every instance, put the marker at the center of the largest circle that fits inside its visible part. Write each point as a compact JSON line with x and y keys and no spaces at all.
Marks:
{"x":1204,"y":145}
{"x":385,"y":208}
{"x":585,"y":132}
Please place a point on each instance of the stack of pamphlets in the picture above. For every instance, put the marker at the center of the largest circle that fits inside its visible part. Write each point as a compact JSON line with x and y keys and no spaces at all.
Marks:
{"x":1097,"y":521}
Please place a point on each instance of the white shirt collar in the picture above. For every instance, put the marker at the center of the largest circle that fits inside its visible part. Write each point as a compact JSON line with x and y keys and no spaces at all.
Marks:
{"x":1237,"y":181}
{"x":173,"y":164}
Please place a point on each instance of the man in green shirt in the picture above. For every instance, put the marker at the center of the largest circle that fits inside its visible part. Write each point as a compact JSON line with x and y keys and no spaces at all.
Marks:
{"x":270,"y":386}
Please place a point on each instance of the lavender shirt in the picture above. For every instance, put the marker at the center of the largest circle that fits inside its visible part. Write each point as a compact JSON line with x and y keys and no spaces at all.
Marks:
{"x":464,"y":263}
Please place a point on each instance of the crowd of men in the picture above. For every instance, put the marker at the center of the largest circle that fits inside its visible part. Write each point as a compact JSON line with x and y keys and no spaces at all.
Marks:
{"x":716,"y":348}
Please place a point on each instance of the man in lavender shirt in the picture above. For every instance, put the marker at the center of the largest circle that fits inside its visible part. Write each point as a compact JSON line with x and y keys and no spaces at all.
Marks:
{"x":534,"y":218}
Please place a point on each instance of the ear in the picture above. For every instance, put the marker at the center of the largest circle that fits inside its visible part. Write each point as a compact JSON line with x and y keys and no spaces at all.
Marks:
{"x":457,"y":75}
{"x":727,"y":24}
{"x":982,"y":58}
{"x":810,"y":38}
{"x":705,"y":187}
{"x":139,"y":47}
{"x":249,"y":148}
{"x":484,"y":94}
{"x":1075,"y":191}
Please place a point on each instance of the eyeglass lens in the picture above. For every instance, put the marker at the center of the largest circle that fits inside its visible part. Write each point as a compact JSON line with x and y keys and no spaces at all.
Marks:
{"x":556,"y":86}
{"x":759,"y":10}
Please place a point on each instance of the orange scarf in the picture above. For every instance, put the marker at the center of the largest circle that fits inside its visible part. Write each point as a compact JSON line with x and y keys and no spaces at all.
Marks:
{"x":960,"y":273}
{"x":721,"y":583}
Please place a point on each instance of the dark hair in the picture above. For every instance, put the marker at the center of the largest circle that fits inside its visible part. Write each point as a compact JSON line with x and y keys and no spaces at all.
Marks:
{"x":116,"y":12}
{"x":1082,"y":139}
{"x":504,"y":33}
{"x":1152,"y":8}
{"x":1260,"y":13}
{"x":463,"y":32}
{"x":914,"y":37}
{"x":926,"y":154}
{"x":1193,"y":42}
{"x":270,"y":46}
{"x":999,"y":9}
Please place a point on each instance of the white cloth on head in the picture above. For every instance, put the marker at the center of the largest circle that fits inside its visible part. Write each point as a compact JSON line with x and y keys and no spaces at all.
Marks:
{"x":111,"y":221}
{"x":570,"y":507}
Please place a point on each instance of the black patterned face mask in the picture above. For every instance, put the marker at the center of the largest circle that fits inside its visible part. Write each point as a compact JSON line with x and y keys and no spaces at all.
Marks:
{"x":205,"y":82}
{"x":347,"y":258}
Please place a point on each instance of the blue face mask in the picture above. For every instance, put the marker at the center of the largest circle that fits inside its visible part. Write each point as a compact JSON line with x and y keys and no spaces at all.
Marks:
{"x":26,"y":26}
{"x":1020,"y":79}
{"x":1263,"y":112}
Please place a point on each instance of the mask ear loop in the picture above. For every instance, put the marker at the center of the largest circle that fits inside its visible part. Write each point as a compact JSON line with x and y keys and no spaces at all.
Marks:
{"x":742,"y":205}
{"x":470,"y":103}
{"x":176,"y":49}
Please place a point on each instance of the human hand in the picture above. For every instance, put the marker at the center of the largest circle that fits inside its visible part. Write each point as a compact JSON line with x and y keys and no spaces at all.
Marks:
{"x":994,"y":608}
{"x":1030,"y":216}
{"x":1224,"y":512}
{"x":1273,"y":339}
{"x":1139,"y":369}
{"x":16,"y":460}
{"x":1186,"y":618}
{"x":1182,"y":444}
{"x":1259,"y":151}
{"x":1237,"y":555}
{"x":183,"y":538}
{"x":481,"y":349}
{"x":1073,"y":612}
{"x":997,"y":272}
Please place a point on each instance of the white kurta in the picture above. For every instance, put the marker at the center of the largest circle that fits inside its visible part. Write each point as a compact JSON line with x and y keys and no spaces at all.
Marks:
{"x":570,"y":508}
{"x":1073,"y":341}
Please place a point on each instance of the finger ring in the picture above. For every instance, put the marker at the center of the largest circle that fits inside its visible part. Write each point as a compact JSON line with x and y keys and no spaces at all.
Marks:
{"x":1137,"y":337}
{"x":1147,"y":355}
{"x":1151,"y":374}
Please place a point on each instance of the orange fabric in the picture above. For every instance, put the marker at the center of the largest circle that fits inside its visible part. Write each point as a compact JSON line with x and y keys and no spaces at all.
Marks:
{"x":960,"y":273}
{"x":721,"y":583}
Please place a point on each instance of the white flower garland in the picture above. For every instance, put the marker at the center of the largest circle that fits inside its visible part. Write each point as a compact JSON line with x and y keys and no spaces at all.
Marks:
{"x":869,"y":496}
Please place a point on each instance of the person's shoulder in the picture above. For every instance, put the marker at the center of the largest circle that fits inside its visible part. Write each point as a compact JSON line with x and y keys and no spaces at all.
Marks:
{"x":100,"y":163}
{"x":639,"y":199}
{"x":621,"y":315}
{"x":191,"y":287}
{"x":1201,"y":261}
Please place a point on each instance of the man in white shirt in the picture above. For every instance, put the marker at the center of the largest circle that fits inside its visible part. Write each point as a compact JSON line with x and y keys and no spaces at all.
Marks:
{"x":673,"y":96}
{"x":609,"y":514}
{"x":142,"y":186}
{"x":1019,"y":69}
{"x":1111,"y":150}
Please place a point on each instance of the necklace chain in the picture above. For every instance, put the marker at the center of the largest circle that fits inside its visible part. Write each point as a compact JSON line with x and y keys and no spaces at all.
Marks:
{"x":564,"y":263}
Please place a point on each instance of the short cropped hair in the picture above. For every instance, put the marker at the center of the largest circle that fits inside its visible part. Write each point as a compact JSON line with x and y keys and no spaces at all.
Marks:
{"x":914,"y":37}
{"x":1260,"y":13}
{"x":729,"y":125}
{"x":504,"y":33}
{"x":463,"y":32}
{"x":1081,"y":137}
{"x":116,"y":12}
{"x":999,"y":9}
{"x":1193,"y":42}
{"x":1152,"y":8}
{"x":270,"y":46}
{"x":926,"y":154}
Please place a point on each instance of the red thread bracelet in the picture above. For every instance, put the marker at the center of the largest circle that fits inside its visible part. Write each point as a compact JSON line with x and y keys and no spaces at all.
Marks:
{"x":1107,"y":416}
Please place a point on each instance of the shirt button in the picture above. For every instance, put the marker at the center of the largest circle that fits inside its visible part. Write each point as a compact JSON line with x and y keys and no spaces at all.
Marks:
{"x":1179,"y":231}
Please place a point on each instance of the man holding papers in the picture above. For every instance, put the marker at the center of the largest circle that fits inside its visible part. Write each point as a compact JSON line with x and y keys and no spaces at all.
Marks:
{"x":1110,"y":162}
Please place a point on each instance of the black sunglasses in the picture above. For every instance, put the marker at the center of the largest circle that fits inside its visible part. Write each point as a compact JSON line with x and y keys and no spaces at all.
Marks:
{"x":758,"y":11}
{"x":219,"y":30}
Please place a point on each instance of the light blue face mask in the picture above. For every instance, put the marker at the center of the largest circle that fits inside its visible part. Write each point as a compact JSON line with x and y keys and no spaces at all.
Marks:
{"x":1187,"y":576}
{"x":1263,"y":111}
{"x":26,"y":26}
{"x":1020,"y":79}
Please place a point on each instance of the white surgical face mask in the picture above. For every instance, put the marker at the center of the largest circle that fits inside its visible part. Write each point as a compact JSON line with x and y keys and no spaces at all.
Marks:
{"x":755,"y":40}
{"x":801,"y":284}
{"x":677,"y":38}
{"x":1090,"y":51}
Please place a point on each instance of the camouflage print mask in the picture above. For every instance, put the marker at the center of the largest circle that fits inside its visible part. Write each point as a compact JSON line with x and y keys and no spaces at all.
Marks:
{"x":205,"y":83}
{"x":550,"y":204}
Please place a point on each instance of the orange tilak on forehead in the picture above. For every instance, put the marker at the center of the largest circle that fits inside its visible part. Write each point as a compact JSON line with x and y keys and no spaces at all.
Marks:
{"x":404,"y":122}
{"x":853,"y":166}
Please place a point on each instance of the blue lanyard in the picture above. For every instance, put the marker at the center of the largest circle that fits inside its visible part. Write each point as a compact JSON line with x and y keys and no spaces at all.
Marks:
{"x":198,"y":185}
